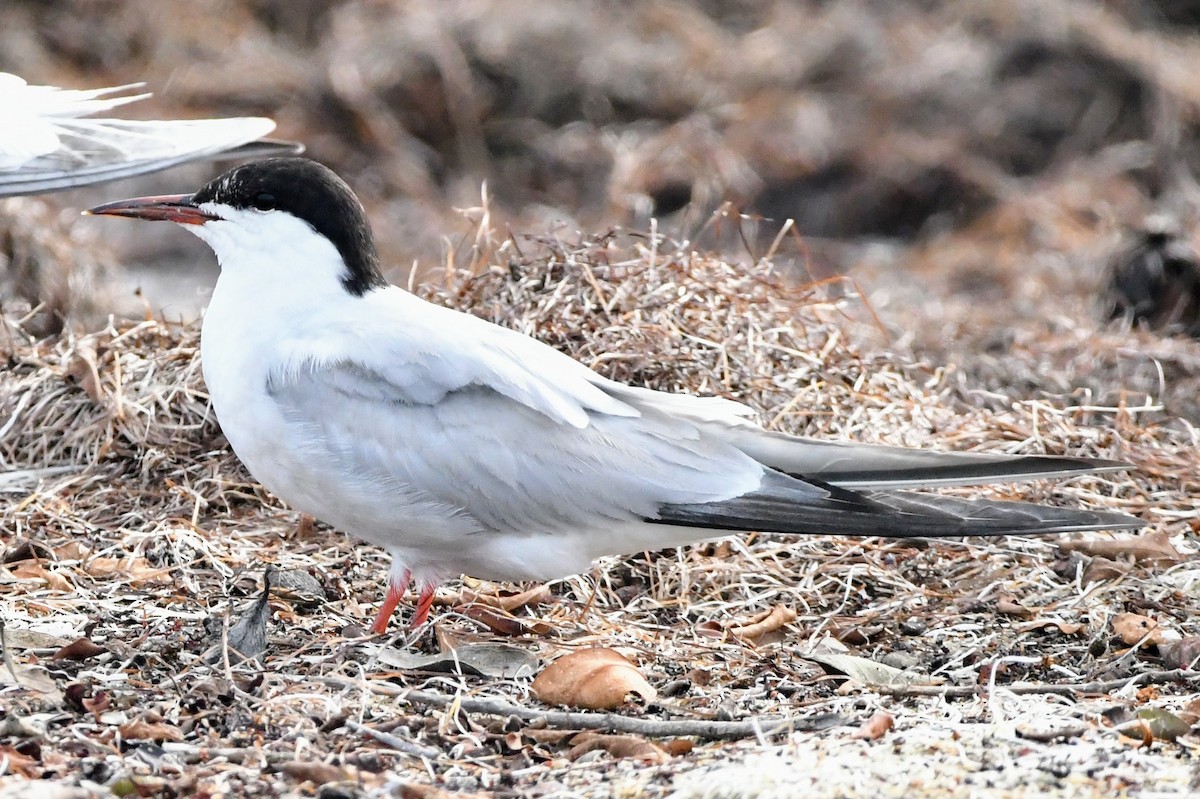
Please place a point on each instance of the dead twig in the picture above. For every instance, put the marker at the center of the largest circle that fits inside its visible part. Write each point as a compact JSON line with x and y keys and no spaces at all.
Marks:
{"x":604,"y":722}
{"x":1102,"y":687}
{"x":399,"y":744}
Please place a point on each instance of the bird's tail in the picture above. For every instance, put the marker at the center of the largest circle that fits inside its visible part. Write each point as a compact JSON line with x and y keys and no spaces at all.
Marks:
{"x":786,"y":505}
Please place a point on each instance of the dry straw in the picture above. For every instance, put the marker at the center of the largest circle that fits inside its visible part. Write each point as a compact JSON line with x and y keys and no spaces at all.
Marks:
{"x":128,"y":521}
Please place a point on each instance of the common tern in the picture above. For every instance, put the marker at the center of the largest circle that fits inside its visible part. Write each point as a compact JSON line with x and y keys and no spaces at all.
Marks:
{"x":46,"y":144}
{"x":462,"y":447}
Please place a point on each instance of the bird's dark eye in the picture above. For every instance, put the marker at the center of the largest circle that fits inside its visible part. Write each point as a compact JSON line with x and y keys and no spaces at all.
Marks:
{"x":264,"y":201}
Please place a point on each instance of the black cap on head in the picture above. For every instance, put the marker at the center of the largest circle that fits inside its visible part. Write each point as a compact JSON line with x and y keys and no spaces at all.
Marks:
{"x":311,"y":192}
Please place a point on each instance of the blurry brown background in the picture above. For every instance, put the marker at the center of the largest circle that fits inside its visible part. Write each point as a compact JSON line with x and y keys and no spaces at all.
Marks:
{"x":977,"y":167}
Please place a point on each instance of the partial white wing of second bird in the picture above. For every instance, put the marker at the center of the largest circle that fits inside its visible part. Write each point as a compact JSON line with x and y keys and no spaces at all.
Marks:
{"x":47,"y":143}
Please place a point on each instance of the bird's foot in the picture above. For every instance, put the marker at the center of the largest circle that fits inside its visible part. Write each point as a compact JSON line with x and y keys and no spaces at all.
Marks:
{"x":396,"y":588}
{"x":423,"y":605}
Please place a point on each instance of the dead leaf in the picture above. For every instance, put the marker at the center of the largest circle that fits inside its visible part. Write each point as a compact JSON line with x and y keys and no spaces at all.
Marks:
{"x":98,"y":703}
{"x":1100,"y":569}
{"x":72,"y":550}
{"x":499,"y":621}
{"x":33,"y":678}
{"x":82,"y":368}
{"x":596,"y":679}
{"x":538,"y":595}
{"x":79,"y":649}
{"x":32,"y":570}
{"x":137,"y":571}
{"x":1154,"y":724}
{"x":1133,"y":628}
{"x":1008,"y":605}
{"x":875,"y":727}
{"x":678,"y":746}
{"x":869,"y":672}
{"x":315,"y":772}
{"x":498,"y":661}
{"x":1154,"y":547}
{"x":856,"y":634}
{"x":619,"y":746}
{"x":19,"y":763}
{"x":141,"y":730}
{"x":547,"y":736}
{"x":20,"y":639}
{"x":1181,"y":654}
{"x":766,"y":622}
{"x":1064,"y":627}
{"x":1191,"y":712}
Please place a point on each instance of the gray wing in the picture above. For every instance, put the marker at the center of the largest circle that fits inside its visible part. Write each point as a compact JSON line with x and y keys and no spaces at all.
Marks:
{"x":498,"y":450}
{"x":523,"y":438}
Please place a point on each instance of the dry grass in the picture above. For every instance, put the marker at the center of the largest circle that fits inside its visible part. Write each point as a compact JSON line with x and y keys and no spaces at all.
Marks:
{"x":130,"y":524}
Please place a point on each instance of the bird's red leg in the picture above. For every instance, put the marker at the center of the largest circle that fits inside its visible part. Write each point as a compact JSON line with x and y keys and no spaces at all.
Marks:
{"x":423,"y":605}
{"x":397,"y":585}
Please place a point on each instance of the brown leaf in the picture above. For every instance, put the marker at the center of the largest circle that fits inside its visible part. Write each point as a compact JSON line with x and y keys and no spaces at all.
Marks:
{"x":315,"y":772}
{"x":1191,"y":712}
{"x":875,"y":727}
{"x":80,"y":649}
{"x":552,"y":737}
{"x":136,"y":571}
{"x":1132,"y":628}
{"x":538,"y":595}
{"x":596,"y":679}
{"x":20,"y":763}
{"x":503,"y":623}
{"x":32,"y":570}
{"x":619,"y":746}
{"x":678,"y":746}
{"x":141,"y":730}
{"x":82,"y":369}
{"x":1100,"y":569}
{"x":1009,"y":606}
{"x":1182,"y":654}
{"x":1153,"y":547}
{"x":97,"y":703}
{"x":766,"y":622}
{"x":1064,"y":627}
{"x":72,"y":550}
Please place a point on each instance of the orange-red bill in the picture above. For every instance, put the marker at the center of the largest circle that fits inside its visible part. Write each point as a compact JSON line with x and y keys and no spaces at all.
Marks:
{"x":167,"y":207}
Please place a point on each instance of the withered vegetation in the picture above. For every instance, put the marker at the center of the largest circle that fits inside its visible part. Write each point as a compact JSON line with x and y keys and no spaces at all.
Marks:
{"x":133,"y":532}
{"x":978,"y":170}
